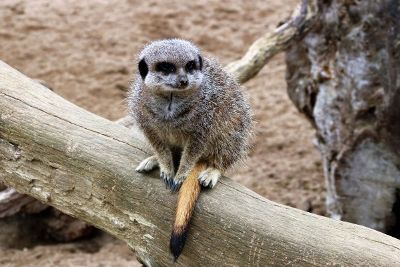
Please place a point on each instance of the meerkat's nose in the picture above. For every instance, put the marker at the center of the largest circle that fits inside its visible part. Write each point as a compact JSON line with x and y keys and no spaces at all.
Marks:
{"x":183,"y":81}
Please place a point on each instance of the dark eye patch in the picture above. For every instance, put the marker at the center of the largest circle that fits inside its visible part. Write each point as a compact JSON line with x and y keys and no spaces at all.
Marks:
{"x":190,"y":66}
{"x":143,"y":69}
{"x":165,"y":67}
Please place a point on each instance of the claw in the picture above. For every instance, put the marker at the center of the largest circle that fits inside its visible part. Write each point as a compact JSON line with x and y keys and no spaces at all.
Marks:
{"x":163,"y":177}
{"x":209,"y":177}
{"x":168,"y":180}
{"x":176,"y":184}
{"x":165,"y":182}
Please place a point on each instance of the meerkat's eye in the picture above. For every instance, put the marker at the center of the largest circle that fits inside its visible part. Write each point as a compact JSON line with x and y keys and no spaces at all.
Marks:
{"x":190,"y":66}
{"x":165,"y":67}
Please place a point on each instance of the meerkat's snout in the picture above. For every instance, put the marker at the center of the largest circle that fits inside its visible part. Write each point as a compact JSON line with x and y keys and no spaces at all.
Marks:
{"x":182,"y":82}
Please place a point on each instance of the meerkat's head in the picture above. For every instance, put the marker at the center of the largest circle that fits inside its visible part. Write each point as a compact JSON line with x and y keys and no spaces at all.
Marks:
{"x":172,"y":65}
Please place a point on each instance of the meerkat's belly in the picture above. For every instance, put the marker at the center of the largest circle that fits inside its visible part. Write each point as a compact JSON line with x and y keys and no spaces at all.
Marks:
{"x":175,"y":139}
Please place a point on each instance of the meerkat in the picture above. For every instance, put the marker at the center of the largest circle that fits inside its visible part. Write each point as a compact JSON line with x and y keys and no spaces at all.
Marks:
{"x":196,"y":119}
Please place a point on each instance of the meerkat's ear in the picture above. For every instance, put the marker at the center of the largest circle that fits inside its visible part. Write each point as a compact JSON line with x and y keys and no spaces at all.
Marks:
{"x":200,"y":63}
{"x":143,"y":68}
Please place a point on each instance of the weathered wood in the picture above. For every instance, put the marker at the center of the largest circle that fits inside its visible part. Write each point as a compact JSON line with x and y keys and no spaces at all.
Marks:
{"x":344,"y":76}
{"x":13,"y":202}
{"x":83,"y":165}
{"x":26,"y":213}
{"x":58,"y":226}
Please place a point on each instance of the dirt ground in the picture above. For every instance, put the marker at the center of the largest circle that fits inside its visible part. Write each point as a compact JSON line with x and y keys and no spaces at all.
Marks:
{"x":85,"y":51}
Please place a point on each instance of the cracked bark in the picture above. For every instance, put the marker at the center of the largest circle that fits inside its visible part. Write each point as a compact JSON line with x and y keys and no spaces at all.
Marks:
{"x":83,"y":165}
{"x":344,"y":75}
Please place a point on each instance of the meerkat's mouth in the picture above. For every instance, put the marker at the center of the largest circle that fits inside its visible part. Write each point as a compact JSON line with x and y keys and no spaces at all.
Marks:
{"x":173,"y":89}
{"x":176,"y":87}
{"x":170,"y":102}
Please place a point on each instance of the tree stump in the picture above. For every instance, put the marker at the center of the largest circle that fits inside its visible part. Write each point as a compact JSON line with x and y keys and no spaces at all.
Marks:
{"x":344,"y":75}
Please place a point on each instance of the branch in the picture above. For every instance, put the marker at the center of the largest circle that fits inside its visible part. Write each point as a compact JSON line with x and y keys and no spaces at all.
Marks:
{"x":263,"y":49}
{"x":84,"y":165}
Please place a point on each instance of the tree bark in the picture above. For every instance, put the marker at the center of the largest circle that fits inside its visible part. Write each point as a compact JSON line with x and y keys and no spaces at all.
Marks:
{"x":344,"y":75}
{"x":84,"y":165}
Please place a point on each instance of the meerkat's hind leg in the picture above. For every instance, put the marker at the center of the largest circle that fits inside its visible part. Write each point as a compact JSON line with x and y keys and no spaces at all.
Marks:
{"x":209,"y":177}
{"x":147,"y":164}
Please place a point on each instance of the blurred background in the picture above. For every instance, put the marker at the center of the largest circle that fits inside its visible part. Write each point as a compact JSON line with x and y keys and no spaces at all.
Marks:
{"x":85,"y":51}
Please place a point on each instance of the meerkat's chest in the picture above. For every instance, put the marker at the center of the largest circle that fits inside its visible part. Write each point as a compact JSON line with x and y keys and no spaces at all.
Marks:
{"x":175,"y":138}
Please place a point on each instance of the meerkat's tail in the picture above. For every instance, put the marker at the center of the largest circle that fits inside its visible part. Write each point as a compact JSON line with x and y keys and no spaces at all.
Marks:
{"x":187,"y":198}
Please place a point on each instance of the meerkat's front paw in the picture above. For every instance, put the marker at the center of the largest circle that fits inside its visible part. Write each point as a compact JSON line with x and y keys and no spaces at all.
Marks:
{"x":167,"y":175}
{"x":176,"y":183}
{"x":147,"y":164}
{"x":209,"y":177}
{"x":180,"y":176}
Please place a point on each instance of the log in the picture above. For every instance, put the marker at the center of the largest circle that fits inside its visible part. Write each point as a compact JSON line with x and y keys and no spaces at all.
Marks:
{"x":344,"y":76}
{"x":83,"y":165}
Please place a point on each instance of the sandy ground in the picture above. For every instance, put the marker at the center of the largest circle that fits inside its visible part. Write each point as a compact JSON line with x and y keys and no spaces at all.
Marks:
{"x":85,"y":51}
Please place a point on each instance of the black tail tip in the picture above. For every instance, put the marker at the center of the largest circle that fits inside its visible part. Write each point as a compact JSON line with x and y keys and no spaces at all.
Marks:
{"x":177,"y":242}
